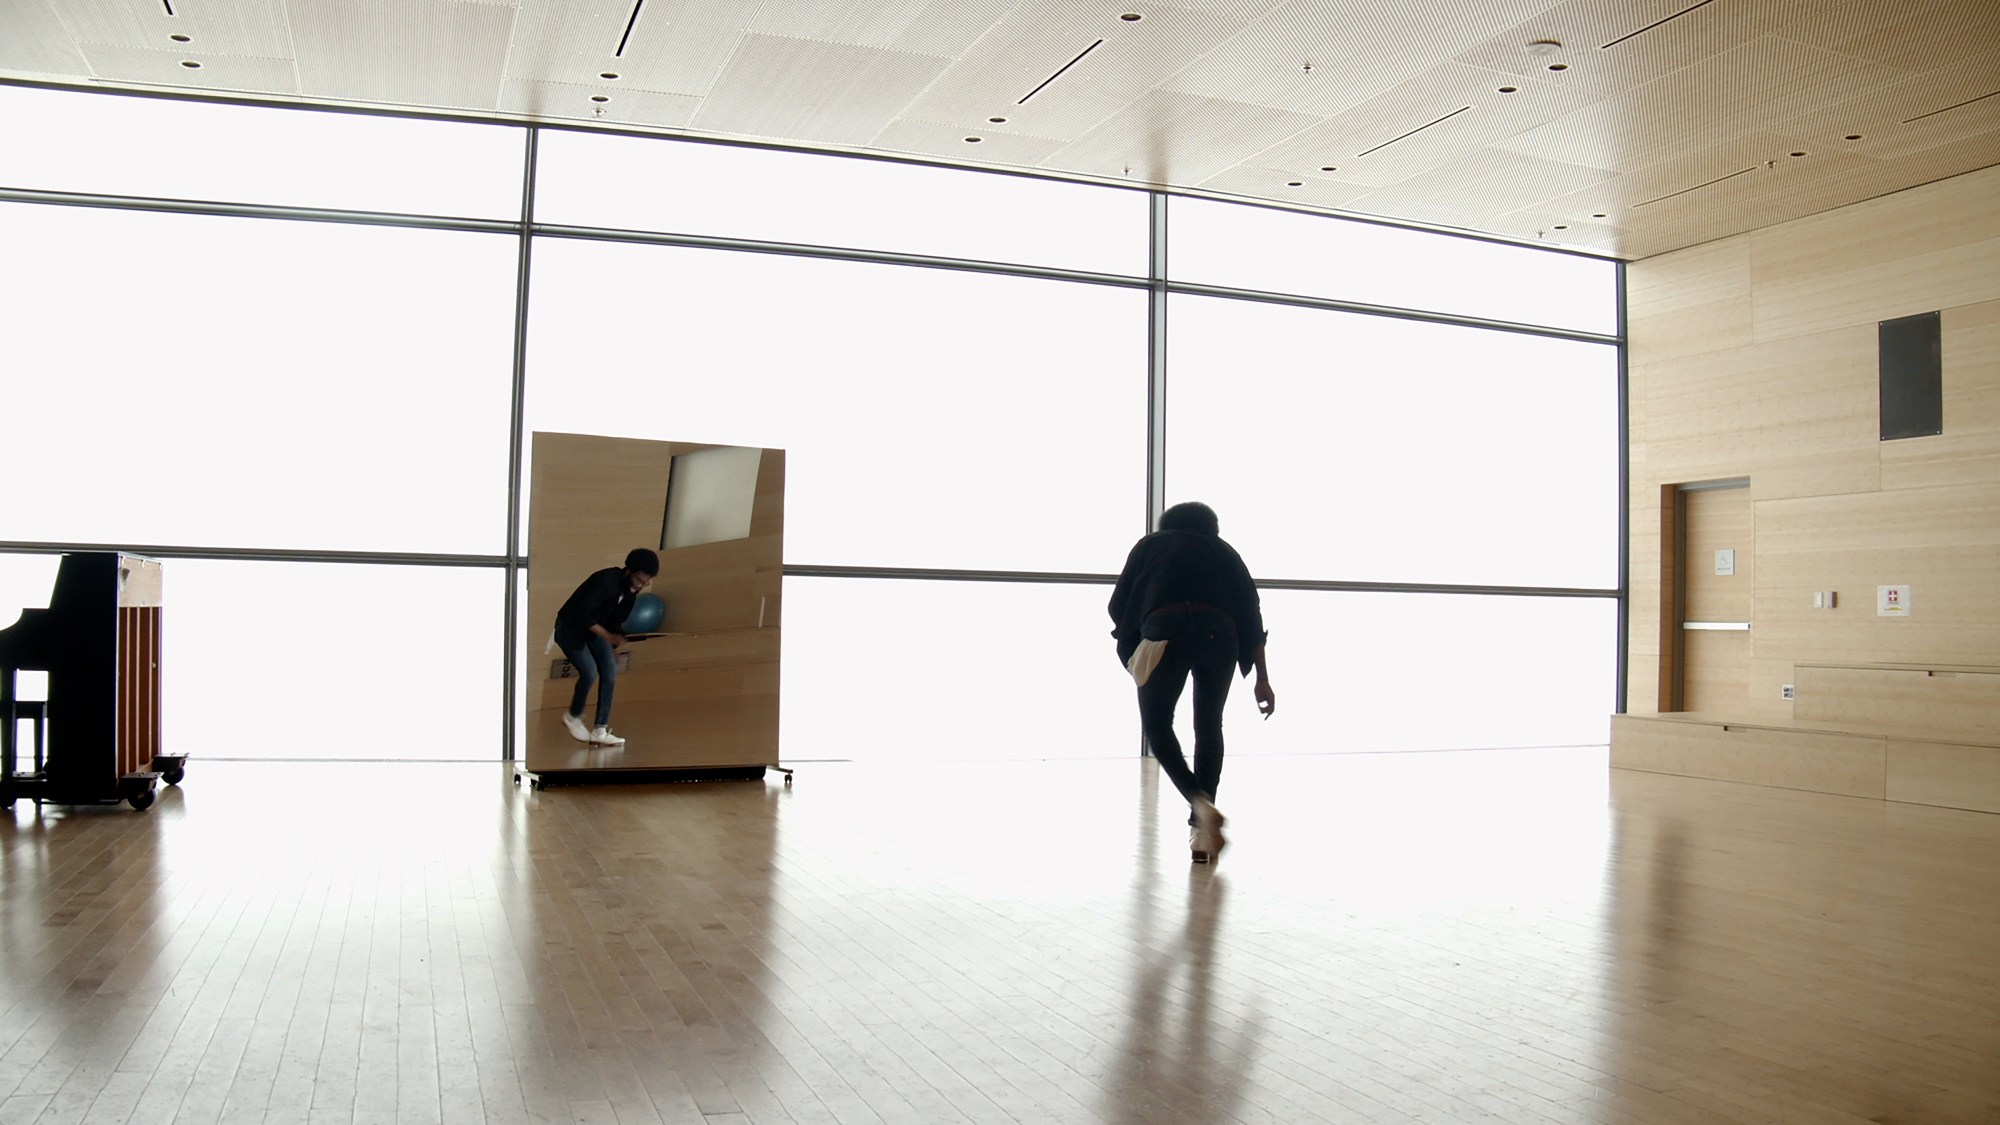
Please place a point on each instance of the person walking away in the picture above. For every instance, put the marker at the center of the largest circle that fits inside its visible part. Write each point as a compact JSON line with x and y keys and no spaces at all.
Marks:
{"x":1186,"y":609}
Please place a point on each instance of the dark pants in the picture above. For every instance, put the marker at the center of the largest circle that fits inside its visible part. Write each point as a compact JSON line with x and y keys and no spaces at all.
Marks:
{"x":592,"y":657}
{"x":1202,"y":647}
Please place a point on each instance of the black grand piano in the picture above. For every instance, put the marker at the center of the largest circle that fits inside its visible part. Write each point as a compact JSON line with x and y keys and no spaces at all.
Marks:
{"x":97,"y":736}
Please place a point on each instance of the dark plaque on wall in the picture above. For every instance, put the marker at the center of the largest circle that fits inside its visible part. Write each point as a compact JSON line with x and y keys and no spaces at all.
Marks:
{"x":1912,"y":360}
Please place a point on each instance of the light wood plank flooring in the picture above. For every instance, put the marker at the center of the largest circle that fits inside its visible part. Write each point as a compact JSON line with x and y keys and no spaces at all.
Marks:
{"x":1500,"y":936}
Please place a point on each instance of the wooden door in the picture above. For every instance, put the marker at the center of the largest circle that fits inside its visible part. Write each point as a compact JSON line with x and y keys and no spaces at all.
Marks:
{"x":1711,"y":609}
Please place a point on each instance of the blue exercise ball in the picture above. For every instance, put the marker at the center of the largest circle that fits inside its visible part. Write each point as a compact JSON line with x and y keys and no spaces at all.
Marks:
{"x":647,"y":614}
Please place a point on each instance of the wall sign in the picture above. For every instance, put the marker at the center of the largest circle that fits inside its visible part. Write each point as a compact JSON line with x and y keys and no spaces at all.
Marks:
{"x":1892,"y":601}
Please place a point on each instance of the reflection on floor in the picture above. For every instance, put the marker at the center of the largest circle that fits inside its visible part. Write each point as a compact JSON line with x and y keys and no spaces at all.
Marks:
{"x":1507,"y":936}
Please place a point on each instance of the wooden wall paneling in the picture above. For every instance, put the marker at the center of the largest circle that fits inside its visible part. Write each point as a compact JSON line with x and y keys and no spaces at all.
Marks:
{"x":1799,"y":416}
{"x":1768,"y":677}
{"x":1912,"y":698}
{"x":1796,"y":408}
{"x":1968,"y":451}
{"x":1647,"y":575}
{"x":1943,"y":542}
{"x":1691,"y":301}
{"x":1663,"y":601}
{"x":1853,"y":765}
{"x":1930,"y":247}
{"x":1954,"y":775}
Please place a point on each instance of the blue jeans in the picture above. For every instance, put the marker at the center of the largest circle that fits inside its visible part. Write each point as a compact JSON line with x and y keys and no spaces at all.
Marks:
{"x":592,"y":657}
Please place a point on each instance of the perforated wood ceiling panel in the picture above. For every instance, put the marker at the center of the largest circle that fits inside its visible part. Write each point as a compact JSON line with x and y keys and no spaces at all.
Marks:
{"x":1640,"y":126}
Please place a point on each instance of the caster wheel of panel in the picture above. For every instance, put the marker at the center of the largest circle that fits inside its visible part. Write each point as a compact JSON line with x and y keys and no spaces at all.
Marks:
{"x":142,"y":800}
{"x":173,"y":776}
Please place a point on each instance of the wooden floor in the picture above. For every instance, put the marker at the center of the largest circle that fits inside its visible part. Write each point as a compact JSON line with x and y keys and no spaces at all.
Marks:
{"x":1500,"y":936}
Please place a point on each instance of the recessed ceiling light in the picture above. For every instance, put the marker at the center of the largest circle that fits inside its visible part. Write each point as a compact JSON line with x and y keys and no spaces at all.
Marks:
{"x":1597,"y":214}
{"x":1510,"y":89}
{"x":1798,"y":154}
{"x":599,"y":98}
{"x":1562,"y":226}
{"x":191,"y":64}
{"x":1853,"y":136}
{"x":181,"y":38}
{"x":609,"y":76}
{"x":1295,"y":183}
{"x":1328,"y":168}
{"x":1558,"y":66}
{"x":1131,"y":17}
{"x":1545,"y":46}
{"x":973,"y":140}
{"x":997,"y":120}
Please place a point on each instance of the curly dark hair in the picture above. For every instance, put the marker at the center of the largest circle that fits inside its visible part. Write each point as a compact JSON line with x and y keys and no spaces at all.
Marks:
{"x":643,"y":561}
{"x":1191,"y":515}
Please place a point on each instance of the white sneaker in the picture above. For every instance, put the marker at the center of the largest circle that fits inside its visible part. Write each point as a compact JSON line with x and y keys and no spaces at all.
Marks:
{"x":576,"y":728}
{"x":602,"y":736}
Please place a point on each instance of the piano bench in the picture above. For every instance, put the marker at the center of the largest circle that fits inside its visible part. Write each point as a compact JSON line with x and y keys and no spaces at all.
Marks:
{"x":38,"y":711}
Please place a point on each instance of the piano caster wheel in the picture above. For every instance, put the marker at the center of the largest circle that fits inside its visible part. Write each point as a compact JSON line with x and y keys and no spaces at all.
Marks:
{"x":142,"y":800}
{"x":173,"y":776}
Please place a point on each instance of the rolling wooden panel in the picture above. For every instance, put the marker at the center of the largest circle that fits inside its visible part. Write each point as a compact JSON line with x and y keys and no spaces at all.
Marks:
{"x":703,"y":697}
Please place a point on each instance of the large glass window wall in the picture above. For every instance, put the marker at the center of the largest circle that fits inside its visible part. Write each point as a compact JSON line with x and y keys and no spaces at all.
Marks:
{"x":209,"y":381}
{"x":930,"y":418}
{"x":311,"y":388}
{"x":1359,"y":448}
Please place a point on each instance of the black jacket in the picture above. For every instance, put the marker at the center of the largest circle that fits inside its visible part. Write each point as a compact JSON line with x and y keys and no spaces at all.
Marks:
{"x":1168,"y":567}
{"x":605,"y":598}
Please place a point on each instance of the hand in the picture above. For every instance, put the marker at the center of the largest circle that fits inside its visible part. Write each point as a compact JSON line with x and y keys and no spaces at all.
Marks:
{"x":618,"y":642}
{"x":1267,"y":700}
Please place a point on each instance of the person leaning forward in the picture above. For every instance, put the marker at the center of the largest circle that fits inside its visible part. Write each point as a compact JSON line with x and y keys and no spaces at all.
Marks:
{"x":589,"y":631}
{"x":1185,"y":607}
